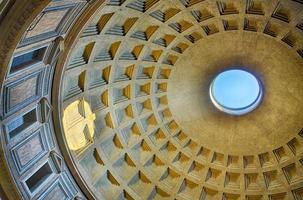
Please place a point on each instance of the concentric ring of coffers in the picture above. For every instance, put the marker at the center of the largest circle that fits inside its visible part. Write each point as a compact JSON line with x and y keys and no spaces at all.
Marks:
{"x":122,"y":65}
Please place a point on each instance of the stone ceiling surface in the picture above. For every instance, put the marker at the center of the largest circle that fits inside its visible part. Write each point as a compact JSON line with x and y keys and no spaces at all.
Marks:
{"x":276,"y":121}
{"x":144,"y":68}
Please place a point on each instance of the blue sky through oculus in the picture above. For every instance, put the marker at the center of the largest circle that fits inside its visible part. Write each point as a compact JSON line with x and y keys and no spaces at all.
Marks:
{"x":235,"y":89}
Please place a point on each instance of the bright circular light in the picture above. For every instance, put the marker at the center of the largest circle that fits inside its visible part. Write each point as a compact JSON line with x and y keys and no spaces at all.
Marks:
{"x":236,"y":92}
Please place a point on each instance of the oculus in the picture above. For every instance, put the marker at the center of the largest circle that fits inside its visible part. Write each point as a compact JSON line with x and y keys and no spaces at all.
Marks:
{"x":236,"y":92}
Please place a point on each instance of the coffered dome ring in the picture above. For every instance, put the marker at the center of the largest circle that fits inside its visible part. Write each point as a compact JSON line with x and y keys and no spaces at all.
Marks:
{"x":138,"y":123}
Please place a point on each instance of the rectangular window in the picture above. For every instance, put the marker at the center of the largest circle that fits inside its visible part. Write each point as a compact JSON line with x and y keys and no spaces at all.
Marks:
{"x":21,"y":123}
{"x":39,"y":177}
{"x":27,"y":59}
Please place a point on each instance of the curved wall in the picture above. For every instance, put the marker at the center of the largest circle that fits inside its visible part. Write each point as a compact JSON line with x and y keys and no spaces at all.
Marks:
{"x":32,"y":34}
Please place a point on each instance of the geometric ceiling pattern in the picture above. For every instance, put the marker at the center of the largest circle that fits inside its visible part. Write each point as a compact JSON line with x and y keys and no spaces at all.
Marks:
{"x":121,"y":65}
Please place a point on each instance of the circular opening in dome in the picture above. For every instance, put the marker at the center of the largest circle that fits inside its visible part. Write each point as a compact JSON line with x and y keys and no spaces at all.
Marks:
{"x":236,"y":92}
